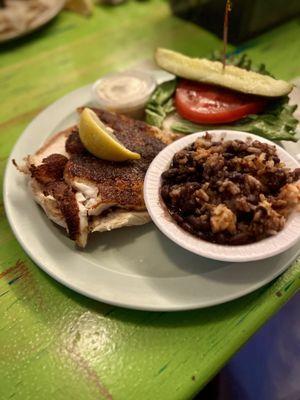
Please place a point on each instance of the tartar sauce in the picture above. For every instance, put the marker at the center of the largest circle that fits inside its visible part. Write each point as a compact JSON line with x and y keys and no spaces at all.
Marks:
{"x":125,"y":92}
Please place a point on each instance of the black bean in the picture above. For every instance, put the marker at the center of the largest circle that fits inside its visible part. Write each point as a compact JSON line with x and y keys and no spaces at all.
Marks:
{"x":248,"y":186}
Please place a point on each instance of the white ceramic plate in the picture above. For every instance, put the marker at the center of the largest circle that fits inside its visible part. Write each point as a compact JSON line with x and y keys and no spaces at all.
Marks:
{"x":135,"y":267}
{"x":269,"y":247}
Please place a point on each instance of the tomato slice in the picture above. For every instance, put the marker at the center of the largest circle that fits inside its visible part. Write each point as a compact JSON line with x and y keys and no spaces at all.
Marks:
{"x":209,"y":104}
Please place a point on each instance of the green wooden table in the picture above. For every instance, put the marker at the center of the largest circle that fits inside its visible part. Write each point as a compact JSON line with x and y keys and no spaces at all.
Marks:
{"x":56,"y":344}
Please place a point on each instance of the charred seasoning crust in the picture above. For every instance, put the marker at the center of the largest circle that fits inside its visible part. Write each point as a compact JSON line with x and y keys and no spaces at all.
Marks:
{"x":65,"y":197}
{"x":230,"y":192}
{"x":49,"y":175}
{"x":51,"y":169}
{"x":118,"y":183}
{"x":135,"y":135}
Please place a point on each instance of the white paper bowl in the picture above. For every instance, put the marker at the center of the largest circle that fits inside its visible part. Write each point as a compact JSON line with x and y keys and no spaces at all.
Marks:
{"x":255,"y":251}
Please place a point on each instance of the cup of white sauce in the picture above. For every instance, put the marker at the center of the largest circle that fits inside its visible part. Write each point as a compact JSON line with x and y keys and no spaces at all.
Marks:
{"x":124,"y":92}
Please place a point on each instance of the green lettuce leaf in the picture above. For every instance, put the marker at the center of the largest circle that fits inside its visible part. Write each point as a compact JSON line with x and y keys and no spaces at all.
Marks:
{"x":160,"y":103}
{"x":241,"y":61}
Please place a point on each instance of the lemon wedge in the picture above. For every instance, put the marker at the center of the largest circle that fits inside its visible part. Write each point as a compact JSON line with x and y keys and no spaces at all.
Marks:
{"x":99,"y":139}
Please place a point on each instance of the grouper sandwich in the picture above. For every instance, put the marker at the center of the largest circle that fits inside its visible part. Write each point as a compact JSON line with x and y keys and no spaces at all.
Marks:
{"x":90,"y":176}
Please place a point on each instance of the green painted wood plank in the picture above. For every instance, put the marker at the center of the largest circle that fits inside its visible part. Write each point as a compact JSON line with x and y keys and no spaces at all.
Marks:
{"x":38,"y":74}
{"x":57,"y":344}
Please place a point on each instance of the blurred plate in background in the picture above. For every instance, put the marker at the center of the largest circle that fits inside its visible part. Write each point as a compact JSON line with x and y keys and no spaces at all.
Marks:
{"x":40,"y":14}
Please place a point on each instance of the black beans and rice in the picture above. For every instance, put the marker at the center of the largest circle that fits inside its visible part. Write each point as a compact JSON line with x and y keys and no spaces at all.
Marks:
{"x":230,"y":191}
